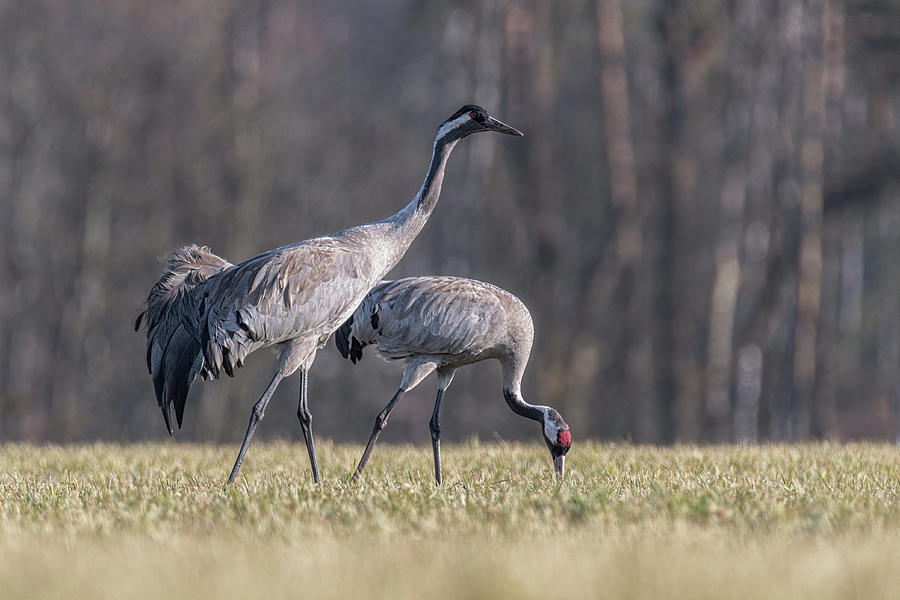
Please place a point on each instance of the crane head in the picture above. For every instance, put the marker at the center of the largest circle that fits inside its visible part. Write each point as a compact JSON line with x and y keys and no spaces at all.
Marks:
{"x":470,"y":119}
{"x":558,"y":438}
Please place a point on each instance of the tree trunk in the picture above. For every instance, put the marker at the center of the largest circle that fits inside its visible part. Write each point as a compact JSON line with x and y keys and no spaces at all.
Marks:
{"x":824,"y":409}
{"x":809,"y":268}
{"x":631,"y":292}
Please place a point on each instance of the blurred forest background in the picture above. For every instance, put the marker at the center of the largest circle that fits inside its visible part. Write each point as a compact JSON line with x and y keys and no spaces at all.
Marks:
{"x":703,"y":216}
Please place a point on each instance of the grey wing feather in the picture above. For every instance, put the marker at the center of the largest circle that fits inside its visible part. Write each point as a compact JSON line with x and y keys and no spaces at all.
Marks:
{"x":303,"y":289}
{"x":171,"y":319}
{"x":438,"y":315}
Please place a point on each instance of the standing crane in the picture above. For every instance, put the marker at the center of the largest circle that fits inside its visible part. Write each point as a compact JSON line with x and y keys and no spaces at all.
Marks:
{"x":205,"y":315}
{"x":440,"y":324}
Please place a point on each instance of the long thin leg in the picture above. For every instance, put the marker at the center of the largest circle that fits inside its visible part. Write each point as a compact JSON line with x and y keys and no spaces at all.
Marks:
{"x":256,"y":415}
{"x":444,"y":378}
{"x":436,"y":435}
{"x":305,"y":417}
{"x":380,"y":422}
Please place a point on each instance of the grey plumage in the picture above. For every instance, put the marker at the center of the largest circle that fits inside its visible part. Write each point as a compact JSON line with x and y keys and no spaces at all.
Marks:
{"x":206,"y":315}
{"x":171,"y":320}
{"x":443,"y":323}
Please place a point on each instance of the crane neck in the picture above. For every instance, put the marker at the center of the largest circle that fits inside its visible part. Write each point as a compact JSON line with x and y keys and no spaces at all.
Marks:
{"x":410,"y":221}
{"x":520,"y":407}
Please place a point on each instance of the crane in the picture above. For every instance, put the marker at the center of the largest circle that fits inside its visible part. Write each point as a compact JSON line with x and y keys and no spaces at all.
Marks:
{"x":441,"y":324}
{"x":205,"y":315}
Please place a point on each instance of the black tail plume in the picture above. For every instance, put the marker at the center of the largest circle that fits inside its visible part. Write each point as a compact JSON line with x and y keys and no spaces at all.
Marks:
{"x":342,"y":337}
{"x":171,"y":319}
{"x":346,"y":342}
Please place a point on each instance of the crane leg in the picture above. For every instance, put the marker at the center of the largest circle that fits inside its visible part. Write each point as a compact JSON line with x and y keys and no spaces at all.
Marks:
{"x":444,"y":378}
{"x":256,"y":415}
{"x":435,"y":426}
{"x":380,"y":423}
{"x":305,"y":417}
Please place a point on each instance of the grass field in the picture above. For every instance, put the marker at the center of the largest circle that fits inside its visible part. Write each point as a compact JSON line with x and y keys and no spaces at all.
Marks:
{"x":142,"y":521}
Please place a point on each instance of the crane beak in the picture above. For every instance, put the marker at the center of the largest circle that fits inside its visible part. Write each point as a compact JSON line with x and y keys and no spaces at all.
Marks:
{"x":501,"y":127}
{"x":559,"y":463}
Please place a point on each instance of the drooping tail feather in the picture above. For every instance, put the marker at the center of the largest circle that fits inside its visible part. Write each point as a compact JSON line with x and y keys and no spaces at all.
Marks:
{"x":346,"y":342}
{"x":171,"y":318}
{"x":358,"y":331}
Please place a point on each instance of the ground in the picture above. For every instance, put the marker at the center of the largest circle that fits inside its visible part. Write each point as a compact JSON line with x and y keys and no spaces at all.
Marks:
{"x":142,"y":521}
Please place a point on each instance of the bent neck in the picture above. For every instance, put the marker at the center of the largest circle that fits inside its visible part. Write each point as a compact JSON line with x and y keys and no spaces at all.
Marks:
{"x":520,"y":407}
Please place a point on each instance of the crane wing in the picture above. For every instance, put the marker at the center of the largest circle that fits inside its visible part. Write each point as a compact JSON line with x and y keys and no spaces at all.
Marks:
{"x":437,"y":315}
{"x":303,"y":289}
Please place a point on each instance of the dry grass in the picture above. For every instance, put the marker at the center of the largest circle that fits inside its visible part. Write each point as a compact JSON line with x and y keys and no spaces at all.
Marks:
{"x":104,"y":521}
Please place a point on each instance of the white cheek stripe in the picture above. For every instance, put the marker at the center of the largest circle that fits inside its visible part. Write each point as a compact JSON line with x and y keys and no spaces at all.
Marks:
{"x":451,"y":125}
{"x":549,"y":428}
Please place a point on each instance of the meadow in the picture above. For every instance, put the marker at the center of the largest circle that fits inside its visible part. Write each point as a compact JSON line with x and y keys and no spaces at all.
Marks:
{"x":140,"y":521}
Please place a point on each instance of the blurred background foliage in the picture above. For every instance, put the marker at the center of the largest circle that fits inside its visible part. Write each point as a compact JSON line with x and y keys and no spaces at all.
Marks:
{"x":703,"y":216}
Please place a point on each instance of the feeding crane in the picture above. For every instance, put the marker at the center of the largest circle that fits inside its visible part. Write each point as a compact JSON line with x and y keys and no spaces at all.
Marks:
{"x":441,"y":324}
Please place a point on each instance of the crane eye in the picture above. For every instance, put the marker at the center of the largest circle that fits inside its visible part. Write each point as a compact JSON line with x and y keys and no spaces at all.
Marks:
{"x":473,"y":114}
